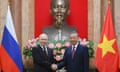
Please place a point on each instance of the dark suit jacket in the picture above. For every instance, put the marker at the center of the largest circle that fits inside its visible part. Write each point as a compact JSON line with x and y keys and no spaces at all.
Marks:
{"x":41,"y":64}
{"x":80,"y":61}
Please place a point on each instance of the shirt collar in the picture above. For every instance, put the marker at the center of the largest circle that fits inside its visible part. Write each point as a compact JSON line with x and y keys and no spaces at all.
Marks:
{"x":75,"y":45}
{"x":42,"y":46}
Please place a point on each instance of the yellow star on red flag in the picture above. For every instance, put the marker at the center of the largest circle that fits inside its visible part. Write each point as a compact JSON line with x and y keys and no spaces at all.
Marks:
{"x":106,"y":46}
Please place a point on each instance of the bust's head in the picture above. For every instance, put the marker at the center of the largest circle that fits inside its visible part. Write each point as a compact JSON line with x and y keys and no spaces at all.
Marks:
{"x":59,"y":10}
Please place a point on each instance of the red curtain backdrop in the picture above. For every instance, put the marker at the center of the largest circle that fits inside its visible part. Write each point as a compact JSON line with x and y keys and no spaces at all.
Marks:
{"x":78,"y":17}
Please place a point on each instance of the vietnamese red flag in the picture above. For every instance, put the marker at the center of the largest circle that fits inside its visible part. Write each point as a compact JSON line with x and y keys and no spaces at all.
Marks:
{"x":107,"y":51}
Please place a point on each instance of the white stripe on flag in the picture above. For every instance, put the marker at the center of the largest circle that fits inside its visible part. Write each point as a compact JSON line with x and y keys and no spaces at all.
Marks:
{"x":10,"y":25}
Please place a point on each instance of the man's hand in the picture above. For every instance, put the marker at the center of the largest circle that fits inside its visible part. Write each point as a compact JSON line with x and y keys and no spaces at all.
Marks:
{"x":54,"y":67}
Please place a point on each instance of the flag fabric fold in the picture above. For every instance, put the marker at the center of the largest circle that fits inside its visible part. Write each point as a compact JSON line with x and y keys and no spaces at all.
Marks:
{"x":107,"y":51}
{"x":10,"y":54}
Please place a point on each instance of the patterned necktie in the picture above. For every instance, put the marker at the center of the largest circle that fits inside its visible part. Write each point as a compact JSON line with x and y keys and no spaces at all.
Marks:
{"x":45,"y":52}
{"x":73,"y":51}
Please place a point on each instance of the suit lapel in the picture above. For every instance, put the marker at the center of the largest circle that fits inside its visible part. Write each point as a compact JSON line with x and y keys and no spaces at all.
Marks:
{"x":70,"y":51}
{"x":49,"y":53}
{"x":41,"y":51}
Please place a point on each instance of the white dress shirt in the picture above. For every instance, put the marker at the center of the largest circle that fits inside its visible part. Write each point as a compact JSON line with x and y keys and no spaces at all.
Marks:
{"x":75,"y":46}
{"x":45,"y":49}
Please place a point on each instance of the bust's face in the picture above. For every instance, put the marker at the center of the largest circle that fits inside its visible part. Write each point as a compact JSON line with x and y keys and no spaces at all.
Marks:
{"x":59,"y":10}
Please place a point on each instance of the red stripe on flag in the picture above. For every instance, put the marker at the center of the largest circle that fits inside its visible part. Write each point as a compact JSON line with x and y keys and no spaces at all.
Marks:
{"x":7,"y":63}
{"x":0,"y":60}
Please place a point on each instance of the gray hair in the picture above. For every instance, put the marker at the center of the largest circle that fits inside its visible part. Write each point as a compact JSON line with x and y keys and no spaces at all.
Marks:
{"x":74,"y":33}
{"x":43,"y":35}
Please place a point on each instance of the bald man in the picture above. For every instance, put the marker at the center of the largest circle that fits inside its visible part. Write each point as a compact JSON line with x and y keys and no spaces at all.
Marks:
{"x":42,"y":55}
{"x":76,"y":57}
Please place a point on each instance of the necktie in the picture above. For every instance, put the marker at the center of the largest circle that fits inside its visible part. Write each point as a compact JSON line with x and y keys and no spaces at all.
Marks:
{"x":73,"y":51}
{"x":45,"y":52}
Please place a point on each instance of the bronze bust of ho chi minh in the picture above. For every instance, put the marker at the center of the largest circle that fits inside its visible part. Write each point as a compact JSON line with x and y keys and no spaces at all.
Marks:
{"x":59,"y":30}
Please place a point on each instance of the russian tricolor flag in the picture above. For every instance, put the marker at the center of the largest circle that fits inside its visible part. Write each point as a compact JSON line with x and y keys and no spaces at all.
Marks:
{"x":10,"y":54}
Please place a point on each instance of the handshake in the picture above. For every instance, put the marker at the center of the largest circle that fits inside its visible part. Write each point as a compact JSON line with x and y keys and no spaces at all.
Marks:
{"x":54,"y":67}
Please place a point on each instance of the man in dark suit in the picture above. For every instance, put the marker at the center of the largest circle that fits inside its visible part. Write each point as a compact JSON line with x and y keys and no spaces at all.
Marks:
{"x":42,"y":56}
{"x":76,"y":58}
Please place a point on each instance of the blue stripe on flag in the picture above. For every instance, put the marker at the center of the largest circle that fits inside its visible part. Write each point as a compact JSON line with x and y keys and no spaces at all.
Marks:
{"x":12,"y":48}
